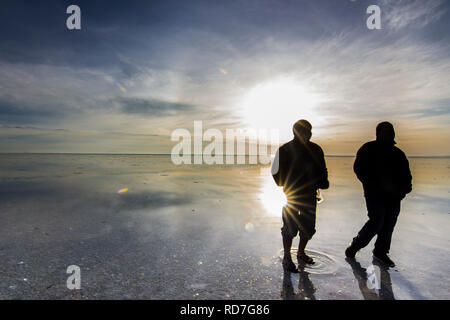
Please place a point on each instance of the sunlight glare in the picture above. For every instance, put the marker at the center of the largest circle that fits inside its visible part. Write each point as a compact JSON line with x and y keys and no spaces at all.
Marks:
{"x":272,"y":197}
{"x":278,"y":104}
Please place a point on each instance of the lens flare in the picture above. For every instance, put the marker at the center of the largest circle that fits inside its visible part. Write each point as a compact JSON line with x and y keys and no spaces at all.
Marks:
{"x":272,"y":197}
{"x":249,"y":227}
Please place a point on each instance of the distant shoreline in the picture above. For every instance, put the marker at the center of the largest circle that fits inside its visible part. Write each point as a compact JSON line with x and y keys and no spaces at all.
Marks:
{"x":168,"y":154}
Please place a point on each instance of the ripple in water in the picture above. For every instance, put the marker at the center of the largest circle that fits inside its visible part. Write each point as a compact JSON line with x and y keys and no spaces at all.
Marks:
{"x":324,"y":264}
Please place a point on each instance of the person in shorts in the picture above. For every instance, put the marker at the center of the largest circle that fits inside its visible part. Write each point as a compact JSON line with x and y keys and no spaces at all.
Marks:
{"x":299,"y":167}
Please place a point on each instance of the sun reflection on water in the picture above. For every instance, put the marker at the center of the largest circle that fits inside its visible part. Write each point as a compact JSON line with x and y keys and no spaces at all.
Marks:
{"x":272,"y":197}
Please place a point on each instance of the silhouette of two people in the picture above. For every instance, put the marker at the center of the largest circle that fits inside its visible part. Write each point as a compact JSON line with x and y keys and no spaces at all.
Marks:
{"x":299,"y":168}
{"x":384,"y":172}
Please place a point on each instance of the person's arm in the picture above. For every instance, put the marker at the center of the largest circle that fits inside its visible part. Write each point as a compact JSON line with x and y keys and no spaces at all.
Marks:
{"x":323,"y":172}
{"x":359,"y":166}
{"x":407,"y":177}
{"x":276,"y":168}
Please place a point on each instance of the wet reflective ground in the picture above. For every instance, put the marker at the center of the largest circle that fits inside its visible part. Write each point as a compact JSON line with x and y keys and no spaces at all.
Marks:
{"x":141,"y":228}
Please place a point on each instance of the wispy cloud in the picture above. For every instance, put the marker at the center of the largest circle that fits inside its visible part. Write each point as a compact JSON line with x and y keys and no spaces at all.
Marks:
{"x":124,"y":86}
{"x":151,"y":107}
{"x":412,"y":13}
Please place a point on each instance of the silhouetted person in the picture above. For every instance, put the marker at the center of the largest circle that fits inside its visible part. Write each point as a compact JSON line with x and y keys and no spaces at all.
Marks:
{"x":384,"y":172}
{"x":299,"y":167}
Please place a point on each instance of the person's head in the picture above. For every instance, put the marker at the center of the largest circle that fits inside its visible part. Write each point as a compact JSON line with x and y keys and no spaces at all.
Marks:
{"x":302,"y":130}
{"x":385,"y":132}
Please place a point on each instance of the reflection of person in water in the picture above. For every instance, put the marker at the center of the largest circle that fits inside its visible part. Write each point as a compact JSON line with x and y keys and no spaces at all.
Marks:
{"x":384,"y":172}
{"x":306,"y":288}
{"x":385,"y":284}
{"x":299,"y":167}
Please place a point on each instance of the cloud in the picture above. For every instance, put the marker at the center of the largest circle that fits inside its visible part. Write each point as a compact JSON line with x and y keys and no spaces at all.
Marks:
{"x":128,"y":79}
{"x":401,"y":14}
{"x":3,"y":126}
{"x":151,"y":107}
{"x":17,"y":111}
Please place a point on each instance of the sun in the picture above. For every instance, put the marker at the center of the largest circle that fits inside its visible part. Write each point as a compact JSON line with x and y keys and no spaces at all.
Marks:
{"x":278,"y":103}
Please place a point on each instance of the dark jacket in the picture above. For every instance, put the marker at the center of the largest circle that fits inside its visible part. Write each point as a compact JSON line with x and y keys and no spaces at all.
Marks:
{"x":301,"y":168}
{"x":383,"y":170}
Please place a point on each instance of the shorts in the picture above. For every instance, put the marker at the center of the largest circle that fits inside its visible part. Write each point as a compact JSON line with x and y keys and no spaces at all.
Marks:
{"x":299,"y":217}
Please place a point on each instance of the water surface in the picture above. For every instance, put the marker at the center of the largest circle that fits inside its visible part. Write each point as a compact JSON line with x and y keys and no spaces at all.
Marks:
{"x":202,"y":232}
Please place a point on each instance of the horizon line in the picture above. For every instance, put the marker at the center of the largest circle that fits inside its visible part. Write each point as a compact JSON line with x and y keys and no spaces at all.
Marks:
{"x":192,"y":154}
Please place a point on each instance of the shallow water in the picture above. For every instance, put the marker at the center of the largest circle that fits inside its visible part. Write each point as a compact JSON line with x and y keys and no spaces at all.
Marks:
{"x":323,"y":263}
{"x":203,"y":232}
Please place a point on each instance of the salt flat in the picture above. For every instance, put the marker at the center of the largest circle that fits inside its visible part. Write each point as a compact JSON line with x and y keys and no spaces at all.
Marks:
{"x":202,"y":232}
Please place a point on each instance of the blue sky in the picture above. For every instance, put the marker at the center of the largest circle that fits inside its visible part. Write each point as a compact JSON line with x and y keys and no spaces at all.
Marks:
{"x":137,"y":70}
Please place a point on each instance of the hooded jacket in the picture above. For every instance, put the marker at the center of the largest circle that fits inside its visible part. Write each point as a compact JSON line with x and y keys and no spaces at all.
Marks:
{"x":383,"y":170}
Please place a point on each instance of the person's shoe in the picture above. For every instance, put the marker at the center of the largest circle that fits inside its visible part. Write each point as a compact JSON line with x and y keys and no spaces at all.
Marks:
{"x":303,"y":258}
{"x":288,"y":265}
{"x":385,"y":259}
{"x":351,"y":251}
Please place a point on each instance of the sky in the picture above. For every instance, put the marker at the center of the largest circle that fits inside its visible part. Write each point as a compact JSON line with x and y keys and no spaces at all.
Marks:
{"x":138,"y":70}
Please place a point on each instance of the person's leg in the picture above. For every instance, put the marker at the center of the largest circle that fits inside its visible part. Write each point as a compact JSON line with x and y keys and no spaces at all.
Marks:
{"x":287,"y":244}
{"x":288,"y":232}
{"x":302,"y":245}
{"x":287,"y":262}
{"x":301,"y":255}
{"x":383,"y":243}
{"x":376,"y":213}
{"x":307,"y":220}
